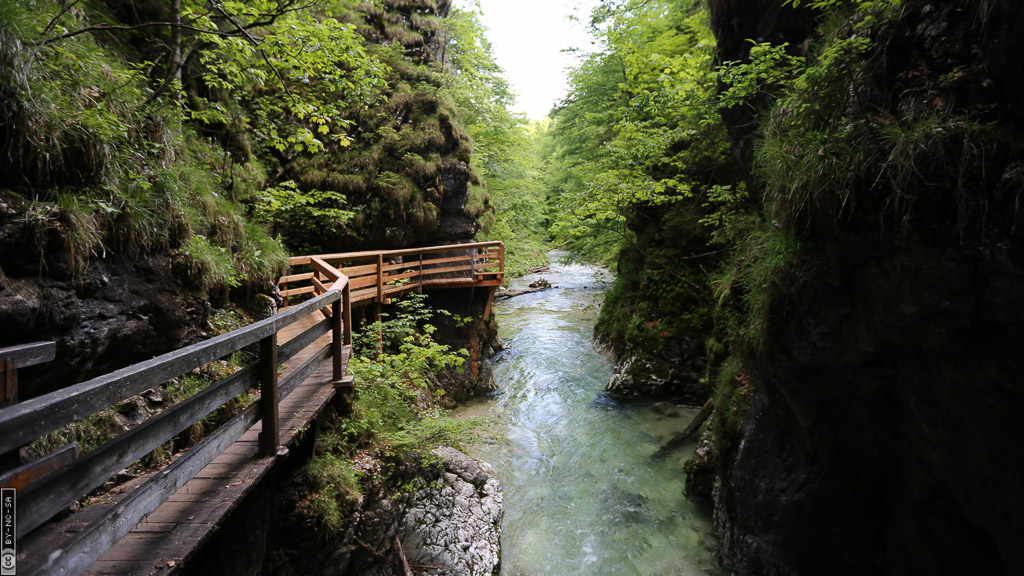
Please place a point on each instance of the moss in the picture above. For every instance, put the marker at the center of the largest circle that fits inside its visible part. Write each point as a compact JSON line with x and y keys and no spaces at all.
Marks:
{"x":119,"y":175}
{"x":406,"y":150}
{"x":658,"y":299}
{"x":209,"y":266}
{"x":733,"y":395}
{"x":334,"y":485}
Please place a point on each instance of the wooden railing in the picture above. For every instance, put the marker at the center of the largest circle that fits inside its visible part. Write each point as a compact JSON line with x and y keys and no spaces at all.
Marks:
{"x":377,"y":275}
{"x":22,"y":356}
{"x":22,"y":423}
{"x":332,"y":284}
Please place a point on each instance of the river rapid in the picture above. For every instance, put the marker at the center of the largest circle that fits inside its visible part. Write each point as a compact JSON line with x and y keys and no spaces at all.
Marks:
{"x":582,"y":493}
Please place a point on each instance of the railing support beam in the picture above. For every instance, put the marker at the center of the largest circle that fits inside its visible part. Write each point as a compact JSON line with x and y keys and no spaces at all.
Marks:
{"x":337,"y":330}
{"x":346,"y":302}
{"x":380,"y":279}
{"x":270,"y":435}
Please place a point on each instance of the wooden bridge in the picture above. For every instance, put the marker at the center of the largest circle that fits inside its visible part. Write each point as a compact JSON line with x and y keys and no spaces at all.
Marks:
{"x":155,"y":523}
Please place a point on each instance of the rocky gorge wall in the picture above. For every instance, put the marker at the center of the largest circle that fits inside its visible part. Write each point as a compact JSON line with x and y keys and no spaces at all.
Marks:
{"x":120,"y":311}
{"x":471,"y":327}
{"x":884,"y":429}
{"x":406,"y":177}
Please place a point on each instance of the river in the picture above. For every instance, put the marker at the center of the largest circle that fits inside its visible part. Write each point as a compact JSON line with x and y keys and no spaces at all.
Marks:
{"x":582,"y":493}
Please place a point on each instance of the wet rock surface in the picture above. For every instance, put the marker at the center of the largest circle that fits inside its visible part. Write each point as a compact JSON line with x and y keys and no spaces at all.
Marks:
{"x":884,"y":437}
{"x":641,"y":374}
{"x":119,"y":312}
{"x":478,"y":337}
{"x":450,"y":527}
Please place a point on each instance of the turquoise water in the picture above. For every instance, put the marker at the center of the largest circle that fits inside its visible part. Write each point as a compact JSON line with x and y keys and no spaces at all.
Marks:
{"x":582,"y":494}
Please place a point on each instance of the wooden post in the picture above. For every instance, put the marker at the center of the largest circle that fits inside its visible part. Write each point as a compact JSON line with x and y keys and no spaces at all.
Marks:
{"x":380,"y":302}
{"x":380,"y":279}
{"x":346,"y":299}
{"x":268,"y":396}
{"x":10,"y":388}
{"x":501,"y":262}
{"x":380,"y":328}
{"x":421,"y":273}
{"x":490,"y":303}
{"x":472,"y":263}
{"x":8,"y":397}
{"x":11,"y":359}
{"x":337,"y":339}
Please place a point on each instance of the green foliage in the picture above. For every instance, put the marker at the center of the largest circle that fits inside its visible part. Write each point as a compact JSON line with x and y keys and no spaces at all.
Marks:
{"x":291,"y":72}
{"x":397,"y":383}
{"x":285,"y":206}
{"x":639,"y":128}
{"x":766,"y":69}
{"x":334,"y":484}
{"x":506,"y":149}
{"x":128,"y":149}
{"x":517,"y":193}
{"x":733,"y":395}
{"x":408,"y":146}
{"x":760,"y":271}
{"x":209,"y":265}
{"x":639,"y":174}
{"x":90,"y":433}
{"x":393,"y":414}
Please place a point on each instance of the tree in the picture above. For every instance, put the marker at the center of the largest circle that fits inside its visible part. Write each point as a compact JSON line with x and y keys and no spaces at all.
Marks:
{"x":505,"y":147}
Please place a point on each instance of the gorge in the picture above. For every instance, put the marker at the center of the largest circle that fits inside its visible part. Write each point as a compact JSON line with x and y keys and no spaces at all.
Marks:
{"x":810,"y":210}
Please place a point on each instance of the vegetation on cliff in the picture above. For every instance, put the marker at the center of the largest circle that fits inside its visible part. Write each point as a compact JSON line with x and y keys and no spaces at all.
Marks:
{"x":508,"y":152}
{"x":394,"y":419}
{"x":844,"y":264}
{"x":132,"y":129}
{"x":187,"y":147}
{"x":640,"y":169}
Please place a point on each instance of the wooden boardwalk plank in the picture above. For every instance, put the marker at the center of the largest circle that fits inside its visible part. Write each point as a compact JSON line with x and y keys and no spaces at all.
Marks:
{"x":180,"y":525}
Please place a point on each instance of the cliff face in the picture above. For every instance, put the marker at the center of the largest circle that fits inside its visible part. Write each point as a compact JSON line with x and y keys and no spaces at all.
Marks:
{"x":406,"y":175}
{"x":122,"y":226}
{"x":656,"y":315}
{"x":120,"y":311}
{"x":885,"y":427}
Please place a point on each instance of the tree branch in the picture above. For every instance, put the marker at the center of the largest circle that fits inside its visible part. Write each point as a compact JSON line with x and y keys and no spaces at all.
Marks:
{"x":108,"y":27}
{"x":49,"y":28}
{"x":257,"y":44}
{"x":283,"y":8}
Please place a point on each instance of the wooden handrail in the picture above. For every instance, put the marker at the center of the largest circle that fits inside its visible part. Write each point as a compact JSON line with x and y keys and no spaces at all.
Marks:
{"x":28,"y":420}
{"x":299,"y":260}
{"x":373,"y":274}
{"x":43,"y":497}
{"x":331,"y":290}
{"x":23,"y":356}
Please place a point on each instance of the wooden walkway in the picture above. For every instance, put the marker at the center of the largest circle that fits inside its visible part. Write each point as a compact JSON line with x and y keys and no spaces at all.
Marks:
{"x":157,"y":523}
{"x":165,"y":540}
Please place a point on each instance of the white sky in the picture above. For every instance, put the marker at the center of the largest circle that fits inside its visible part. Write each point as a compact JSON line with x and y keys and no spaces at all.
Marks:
{"x":528,"y":37}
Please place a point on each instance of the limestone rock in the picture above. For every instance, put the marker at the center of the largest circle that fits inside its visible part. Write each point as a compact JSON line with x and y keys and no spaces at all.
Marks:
{"x":643,"y":375}
{"x":456,"y":526}
{"x":452,"y":524}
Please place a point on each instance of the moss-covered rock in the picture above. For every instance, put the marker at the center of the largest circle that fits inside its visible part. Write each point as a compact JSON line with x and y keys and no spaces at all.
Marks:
{"x":406,"y":175}
{"x":882,"y":435}
{"x":657,"y":316}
